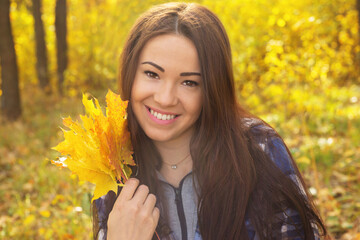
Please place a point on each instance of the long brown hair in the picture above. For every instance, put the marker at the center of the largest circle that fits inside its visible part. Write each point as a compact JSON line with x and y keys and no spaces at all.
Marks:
{"x":234,"y":174}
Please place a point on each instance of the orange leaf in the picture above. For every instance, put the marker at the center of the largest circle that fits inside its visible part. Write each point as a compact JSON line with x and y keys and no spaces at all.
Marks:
{"x":99,"y":149}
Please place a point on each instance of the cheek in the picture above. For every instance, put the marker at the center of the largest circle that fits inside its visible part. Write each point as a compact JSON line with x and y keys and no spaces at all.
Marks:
{"x":137,"y":91}
{"x":142,"y":88}
{"x":134,"y":86}
{"x":195,"y":105}
{"x":136,"y":98}
{"x":198,"y":108}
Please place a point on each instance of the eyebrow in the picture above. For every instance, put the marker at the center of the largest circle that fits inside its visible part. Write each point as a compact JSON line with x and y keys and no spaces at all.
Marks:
{"x":185,"y":74}
{"x":155,"y":65}
{"x":190,"y":74}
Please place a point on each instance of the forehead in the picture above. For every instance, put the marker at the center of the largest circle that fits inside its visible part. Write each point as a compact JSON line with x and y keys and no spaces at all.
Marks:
{"x":171,"y":49}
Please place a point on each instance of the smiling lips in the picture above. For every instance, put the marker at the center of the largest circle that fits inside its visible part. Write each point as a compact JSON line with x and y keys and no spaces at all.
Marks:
{"x":161,"y":118}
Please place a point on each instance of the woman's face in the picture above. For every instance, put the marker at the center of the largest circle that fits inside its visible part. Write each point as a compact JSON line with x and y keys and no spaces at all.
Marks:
{"x":166,"y":96}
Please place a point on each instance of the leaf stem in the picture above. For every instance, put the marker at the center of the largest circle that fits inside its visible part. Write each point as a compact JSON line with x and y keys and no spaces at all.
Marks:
{"x":122,"y":177}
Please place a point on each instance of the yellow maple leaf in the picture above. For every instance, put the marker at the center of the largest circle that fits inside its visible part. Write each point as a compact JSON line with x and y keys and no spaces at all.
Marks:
{"x":99,"y":150}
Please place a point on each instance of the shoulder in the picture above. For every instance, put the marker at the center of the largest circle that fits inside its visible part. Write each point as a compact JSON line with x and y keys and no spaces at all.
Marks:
{"x":269,"y":141}
{"x":288,"y":223}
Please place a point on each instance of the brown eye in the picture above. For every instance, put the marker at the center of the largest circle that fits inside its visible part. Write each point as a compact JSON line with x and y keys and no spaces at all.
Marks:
{"x":190,"y":83}
{"x":151,"y":74}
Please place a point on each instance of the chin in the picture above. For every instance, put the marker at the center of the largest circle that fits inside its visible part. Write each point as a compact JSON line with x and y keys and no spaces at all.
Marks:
{"x":157,"y":138}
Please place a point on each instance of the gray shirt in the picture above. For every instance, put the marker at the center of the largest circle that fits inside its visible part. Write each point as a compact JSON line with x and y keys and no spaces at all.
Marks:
{"x":181,"y":204}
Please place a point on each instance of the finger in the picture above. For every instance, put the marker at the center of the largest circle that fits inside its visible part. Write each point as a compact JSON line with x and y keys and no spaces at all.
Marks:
{"x":141,"y":194}
{"x":150,"y":202}
{"x":156,"y":215}
{"x":129,"y":189}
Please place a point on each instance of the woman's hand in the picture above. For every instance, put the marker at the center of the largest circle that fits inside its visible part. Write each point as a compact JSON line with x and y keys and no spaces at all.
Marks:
{"x":134,"y":215}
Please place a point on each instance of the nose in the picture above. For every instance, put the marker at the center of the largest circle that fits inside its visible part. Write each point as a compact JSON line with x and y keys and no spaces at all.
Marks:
{"x":166,"y":95}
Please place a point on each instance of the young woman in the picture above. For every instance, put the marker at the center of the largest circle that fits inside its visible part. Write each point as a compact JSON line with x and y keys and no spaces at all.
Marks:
{"x":207,"y":169}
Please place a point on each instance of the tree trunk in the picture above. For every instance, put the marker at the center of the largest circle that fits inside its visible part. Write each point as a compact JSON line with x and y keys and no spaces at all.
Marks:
{"x":358,"y":52}
{"x":41,"y":52}
{"x":358,"y":10}
{"x":61,"y":44}
{"x":10,"y":98}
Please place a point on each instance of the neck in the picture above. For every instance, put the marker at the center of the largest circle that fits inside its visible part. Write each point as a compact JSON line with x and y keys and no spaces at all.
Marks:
{"x":175,"y":153}
{"x":174,"y":176}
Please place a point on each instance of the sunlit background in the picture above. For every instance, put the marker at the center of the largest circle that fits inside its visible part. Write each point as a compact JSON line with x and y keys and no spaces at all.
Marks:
{"x":296,"y":64}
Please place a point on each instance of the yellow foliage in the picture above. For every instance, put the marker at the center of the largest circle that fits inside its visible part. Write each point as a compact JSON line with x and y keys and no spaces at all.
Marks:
{"x":29,"y":220}
{"x":303,"y":160}
{"x":45,"y":213}
{"x":306,"y":48}
{"x":99,"y":149}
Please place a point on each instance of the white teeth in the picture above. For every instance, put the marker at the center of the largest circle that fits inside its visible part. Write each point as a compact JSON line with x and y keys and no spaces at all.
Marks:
{"x":161,"y":116}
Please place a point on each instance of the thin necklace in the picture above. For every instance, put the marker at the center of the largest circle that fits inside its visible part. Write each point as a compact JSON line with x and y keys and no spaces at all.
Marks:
{"x":174,"y":166}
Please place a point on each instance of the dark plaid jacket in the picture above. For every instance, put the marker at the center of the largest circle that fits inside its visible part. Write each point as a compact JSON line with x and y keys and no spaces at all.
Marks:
{"x":269,"y":142}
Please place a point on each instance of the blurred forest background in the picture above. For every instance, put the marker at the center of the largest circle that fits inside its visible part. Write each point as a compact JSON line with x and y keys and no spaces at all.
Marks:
{"x":297,"y":65}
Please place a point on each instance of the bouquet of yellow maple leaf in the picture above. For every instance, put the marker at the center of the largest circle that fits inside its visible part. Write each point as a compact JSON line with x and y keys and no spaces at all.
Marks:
{"x":98,"y":150}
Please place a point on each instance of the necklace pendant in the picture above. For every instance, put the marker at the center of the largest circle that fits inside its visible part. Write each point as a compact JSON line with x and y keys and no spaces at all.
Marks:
{"x":174,"y":166}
